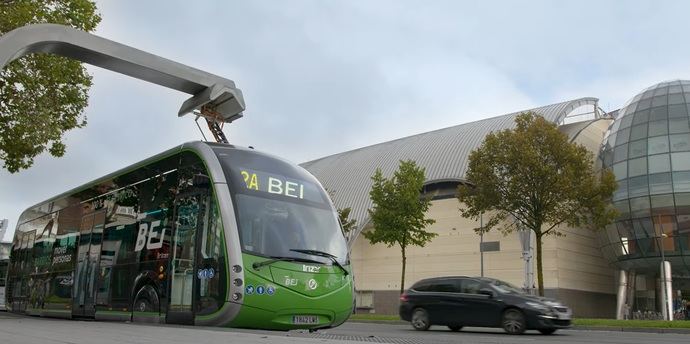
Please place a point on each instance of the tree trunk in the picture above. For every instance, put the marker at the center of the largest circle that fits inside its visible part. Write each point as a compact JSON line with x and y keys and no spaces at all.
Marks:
{"x":540,"y":273}
{"x":402,"y":278}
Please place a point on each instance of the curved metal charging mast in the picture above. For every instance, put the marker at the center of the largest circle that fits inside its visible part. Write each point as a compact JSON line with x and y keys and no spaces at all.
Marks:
{"x":215,"y":98}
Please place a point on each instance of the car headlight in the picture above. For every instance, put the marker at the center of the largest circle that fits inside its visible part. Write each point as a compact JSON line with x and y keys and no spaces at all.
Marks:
{"x":538,"y":306}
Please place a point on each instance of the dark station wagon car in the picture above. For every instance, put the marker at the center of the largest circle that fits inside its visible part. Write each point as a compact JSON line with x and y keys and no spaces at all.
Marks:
{"x":480,"y":302}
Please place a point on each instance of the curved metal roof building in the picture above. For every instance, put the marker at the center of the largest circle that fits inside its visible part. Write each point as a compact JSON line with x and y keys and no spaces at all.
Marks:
{"x":443,"y":153}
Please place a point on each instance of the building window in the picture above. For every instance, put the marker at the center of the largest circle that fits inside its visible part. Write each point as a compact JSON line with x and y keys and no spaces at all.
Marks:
{"x":660,"y":183}
{"x":658,"y":144}
{"x":441,"y":190}
{"x":638,"y":148}
{"x":364,"y":299}
{"x":637,"y":167}
{"x":680,"y":161}
{"x":638,"y":132}
{"x":658,"y":128}
{"x":621,"y":170}
{"x":680,"y":142}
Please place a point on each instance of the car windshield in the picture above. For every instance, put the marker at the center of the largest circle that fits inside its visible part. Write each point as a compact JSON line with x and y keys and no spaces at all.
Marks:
{"x":505,"y":287}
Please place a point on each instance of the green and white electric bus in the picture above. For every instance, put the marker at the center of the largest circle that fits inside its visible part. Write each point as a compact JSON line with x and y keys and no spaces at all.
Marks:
{"x":204,"y":233}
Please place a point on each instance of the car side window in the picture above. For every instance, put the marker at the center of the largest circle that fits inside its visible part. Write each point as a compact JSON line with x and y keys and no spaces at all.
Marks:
{"x":470,"y":286}
{"x":422,"y":286}
{"x":444,"y":287}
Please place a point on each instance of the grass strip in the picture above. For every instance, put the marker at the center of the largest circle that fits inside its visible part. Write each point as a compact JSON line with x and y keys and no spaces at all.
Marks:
{"x":632,"y":323}
{"x":381,"y":317}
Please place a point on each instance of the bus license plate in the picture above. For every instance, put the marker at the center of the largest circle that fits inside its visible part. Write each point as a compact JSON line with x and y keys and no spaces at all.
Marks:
{"x":305,"y":319}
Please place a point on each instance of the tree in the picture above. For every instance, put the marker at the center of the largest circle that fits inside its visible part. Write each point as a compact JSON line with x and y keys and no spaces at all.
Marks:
{"x":343,"y":215}
{"x":348,"y":225}
{"x":533,"y":176}
{"x":42,"y":96}
{"x":399,"y":209}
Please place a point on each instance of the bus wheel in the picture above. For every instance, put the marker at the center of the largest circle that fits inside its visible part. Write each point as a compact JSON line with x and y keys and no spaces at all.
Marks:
{"x":146,"y":300}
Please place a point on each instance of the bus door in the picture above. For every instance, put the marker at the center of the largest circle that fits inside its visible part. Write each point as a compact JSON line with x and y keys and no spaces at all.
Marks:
{"x":189,"y":218}
{"x":88,"y":256}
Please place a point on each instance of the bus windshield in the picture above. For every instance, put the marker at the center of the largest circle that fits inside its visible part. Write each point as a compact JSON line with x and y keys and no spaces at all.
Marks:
{"x":281,"y":208}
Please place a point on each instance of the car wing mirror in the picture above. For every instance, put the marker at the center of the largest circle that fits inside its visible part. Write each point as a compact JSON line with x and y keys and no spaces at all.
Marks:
{"x":486,"y":291}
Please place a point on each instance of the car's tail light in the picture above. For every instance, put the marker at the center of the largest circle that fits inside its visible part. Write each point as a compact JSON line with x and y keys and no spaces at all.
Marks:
{"x":403,"y":297}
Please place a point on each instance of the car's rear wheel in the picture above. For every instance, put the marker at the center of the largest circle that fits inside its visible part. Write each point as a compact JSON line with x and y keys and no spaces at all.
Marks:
{"x":513,"y":321}
{"x":547,"y":330}
{"x":420,"y":319}
{"x":455,"y":328}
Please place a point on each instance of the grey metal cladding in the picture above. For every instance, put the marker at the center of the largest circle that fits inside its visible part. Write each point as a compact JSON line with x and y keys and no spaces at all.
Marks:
{"x":443,"y":153}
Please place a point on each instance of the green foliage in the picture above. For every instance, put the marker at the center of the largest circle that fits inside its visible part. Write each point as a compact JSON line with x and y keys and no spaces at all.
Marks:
{"x":343,"y":215}
{"x":535,"y":177}
{"x":399,"y":209}
{"x":41,"y":96}
{"x":348,"y":225}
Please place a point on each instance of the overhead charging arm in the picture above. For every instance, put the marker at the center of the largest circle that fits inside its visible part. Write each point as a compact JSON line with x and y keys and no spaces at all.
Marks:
{"x":211,"y":94}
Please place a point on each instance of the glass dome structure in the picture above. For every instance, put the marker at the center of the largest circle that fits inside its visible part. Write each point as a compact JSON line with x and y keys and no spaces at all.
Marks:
{"x":648,"y":149}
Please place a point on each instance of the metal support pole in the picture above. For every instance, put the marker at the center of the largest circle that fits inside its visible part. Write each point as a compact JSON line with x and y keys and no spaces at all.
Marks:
{"x":666,"y":301}
{"x":622,"y":307}
{"x":481,"y":242}
{"x":525,"y":236}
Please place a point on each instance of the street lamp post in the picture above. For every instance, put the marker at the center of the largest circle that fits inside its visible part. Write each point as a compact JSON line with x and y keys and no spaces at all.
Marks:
{"x":481,"y":243}
{"x":664,"y":292}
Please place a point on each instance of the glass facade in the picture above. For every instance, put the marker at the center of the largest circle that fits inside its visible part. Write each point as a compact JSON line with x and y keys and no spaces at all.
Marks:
{"x":648,"y":149}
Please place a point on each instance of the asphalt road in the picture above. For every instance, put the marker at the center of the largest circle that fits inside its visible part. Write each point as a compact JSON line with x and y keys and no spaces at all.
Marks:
{"x":21,"y":329}
{"x":389,"y":333}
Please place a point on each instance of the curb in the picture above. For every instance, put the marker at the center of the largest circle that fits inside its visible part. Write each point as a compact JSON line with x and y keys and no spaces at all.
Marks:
{"x":576,"y":328}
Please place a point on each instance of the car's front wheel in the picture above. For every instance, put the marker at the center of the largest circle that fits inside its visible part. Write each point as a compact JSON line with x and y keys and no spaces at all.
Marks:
{"x":513,"y":321}
{"x":547,"y":330}
{"x":455,"y":328}
{"x":420,"y":319}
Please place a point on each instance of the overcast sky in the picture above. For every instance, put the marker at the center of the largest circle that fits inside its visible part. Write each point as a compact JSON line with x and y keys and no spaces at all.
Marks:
{"x":323,"y":77}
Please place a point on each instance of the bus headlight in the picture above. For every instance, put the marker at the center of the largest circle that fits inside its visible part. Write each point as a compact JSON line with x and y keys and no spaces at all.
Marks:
{"x":236,"y":296}
{"x":237,"y":282}
{"x":236,"y":268}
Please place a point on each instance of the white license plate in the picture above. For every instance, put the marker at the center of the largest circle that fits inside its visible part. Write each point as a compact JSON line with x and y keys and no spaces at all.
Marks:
{"x":305,"y":319}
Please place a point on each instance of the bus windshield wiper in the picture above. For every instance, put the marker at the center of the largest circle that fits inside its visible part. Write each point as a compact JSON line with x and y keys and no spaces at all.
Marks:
{"x":274,"y":259}
{"x":333,"y":258}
